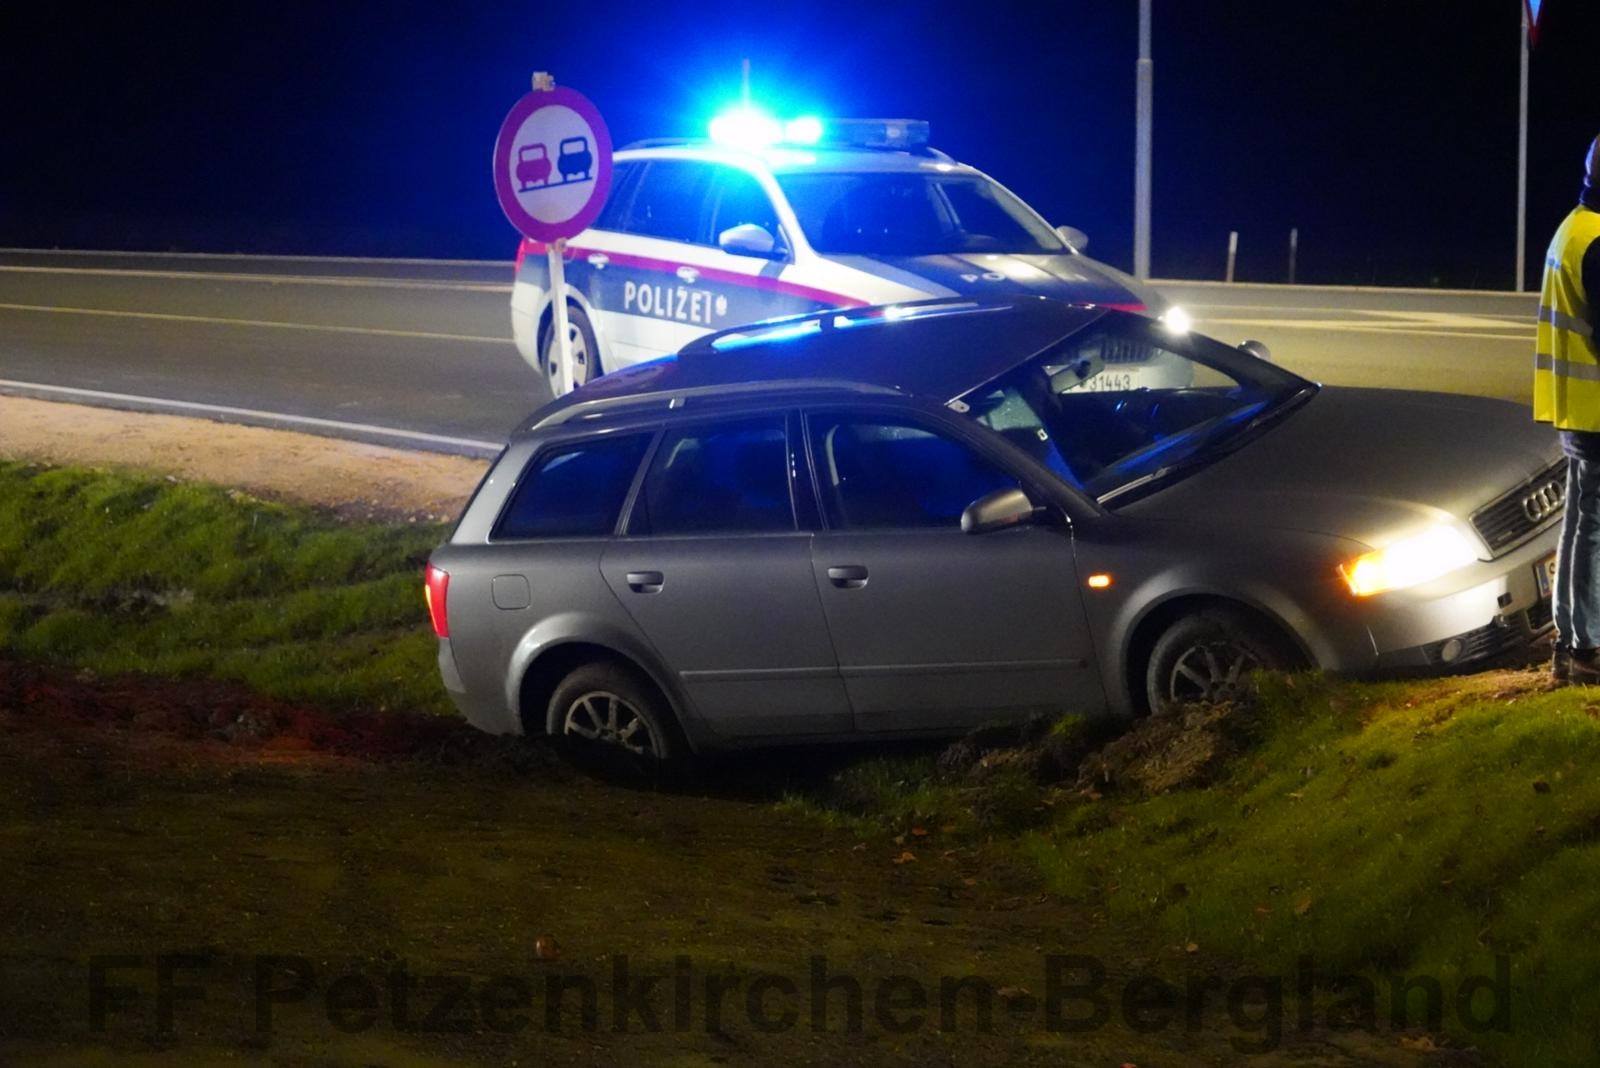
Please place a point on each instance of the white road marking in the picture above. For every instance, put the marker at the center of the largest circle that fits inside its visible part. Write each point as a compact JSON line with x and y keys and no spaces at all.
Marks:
{"x":1500,"y":318}
{"x":267,"y":279}
{"x":410,"y":262}
{"x":275,"y":324}
{"x":1301,"y":287}
{"x":1412,"y":323}
{"x":278,"y":418}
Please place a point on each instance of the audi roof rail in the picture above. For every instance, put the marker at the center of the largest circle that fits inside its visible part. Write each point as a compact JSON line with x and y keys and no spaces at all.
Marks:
{"x":673,"y":398}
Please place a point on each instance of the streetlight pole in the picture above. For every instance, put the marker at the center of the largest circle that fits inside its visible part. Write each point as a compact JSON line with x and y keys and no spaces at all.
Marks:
{"x":1522,"y":165}
{"x":1146,"y":71}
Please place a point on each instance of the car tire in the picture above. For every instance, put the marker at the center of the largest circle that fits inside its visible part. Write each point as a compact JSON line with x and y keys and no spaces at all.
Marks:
{"x":1207,"y":657}
{"x":611,"y":720}
{"x":585,"y":349}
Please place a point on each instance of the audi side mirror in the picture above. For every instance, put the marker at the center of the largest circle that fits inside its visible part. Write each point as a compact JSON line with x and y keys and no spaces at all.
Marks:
{"x":997,"y":511}
{"x":748,"y":239}
{"x":1075,"y":238}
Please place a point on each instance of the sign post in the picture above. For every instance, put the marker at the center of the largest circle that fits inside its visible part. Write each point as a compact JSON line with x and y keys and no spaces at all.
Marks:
{"x":552,"y":172}
{"x":556,"y":256}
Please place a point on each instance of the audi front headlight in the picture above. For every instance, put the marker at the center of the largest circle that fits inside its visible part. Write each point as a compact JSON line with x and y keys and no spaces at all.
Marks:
{"x":1411,"y":561}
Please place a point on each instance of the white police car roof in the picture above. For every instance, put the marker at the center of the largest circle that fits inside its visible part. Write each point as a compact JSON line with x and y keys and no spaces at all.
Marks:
{"x":781,"y":159}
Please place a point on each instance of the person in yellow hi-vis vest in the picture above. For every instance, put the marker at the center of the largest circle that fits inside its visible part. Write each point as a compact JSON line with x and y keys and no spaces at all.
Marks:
{"x":1566,"y":394}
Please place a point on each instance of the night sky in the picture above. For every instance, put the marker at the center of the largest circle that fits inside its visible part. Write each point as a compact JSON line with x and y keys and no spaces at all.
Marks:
{"x":1386,"y":131}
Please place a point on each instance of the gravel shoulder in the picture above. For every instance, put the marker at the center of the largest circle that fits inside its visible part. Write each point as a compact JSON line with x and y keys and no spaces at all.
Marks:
{"x":352,"y":479}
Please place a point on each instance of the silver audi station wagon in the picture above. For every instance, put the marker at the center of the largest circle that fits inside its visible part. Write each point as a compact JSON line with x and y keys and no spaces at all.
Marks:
{"x":918,"y":518}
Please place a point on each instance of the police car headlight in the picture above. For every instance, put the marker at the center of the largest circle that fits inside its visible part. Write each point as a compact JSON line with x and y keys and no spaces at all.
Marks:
{"x":1177,"y":320}
{"x":1411,"y":561}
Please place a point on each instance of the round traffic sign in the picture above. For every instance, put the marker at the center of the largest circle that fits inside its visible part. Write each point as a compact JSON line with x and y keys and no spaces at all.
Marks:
{"x":552,"y":164}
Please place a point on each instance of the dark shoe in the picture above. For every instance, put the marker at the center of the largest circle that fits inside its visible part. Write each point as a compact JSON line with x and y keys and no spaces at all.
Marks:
{"x":1584,"y":669}
{"x":1560,"y":665}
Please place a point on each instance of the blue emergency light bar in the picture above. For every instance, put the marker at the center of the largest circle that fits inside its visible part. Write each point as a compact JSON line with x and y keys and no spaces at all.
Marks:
{"x":752,"y":128}
{"x":877,"y":133}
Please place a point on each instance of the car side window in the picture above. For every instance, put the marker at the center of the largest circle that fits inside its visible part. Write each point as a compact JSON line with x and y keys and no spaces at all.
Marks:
{"x":573,"y":491}
{"x":738,"y":199}
{"x":884,"y":473}
{"x":718,"y":478}
{"x":670,"y":201}
{"x":624,"y":180}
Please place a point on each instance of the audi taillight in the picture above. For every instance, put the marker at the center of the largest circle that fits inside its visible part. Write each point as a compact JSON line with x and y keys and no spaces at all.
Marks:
{"x":435,"y":588}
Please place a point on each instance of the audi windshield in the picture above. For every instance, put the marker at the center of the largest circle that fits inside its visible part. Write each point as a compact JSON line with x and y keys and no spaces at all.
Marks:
{"x":899,"y":213}
{"x":1110,"y":431}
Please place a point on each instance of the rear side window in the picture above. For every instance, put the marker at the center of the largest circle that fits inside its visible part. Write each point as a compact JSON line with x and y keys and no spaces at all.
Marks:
{"x":624,"y":180}
{"x":670,"y":201}
{"x":574,"y":491}
{"x":878,"y":473}
{"x":721,"y":478}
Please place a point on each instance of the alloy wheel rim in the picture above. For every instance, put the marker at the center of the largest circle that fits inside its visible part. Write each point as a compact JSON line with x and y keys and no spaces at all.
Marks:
{"x":606,"y":719}
{"x":1210,"y":672}
{"x":580,"y":358}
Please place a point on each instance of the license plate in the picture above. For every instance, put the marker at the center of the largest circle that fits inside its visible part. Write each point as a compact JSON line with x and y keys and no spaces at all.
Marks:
{"x":1545,"y":572}
{"x":1110,"y":382}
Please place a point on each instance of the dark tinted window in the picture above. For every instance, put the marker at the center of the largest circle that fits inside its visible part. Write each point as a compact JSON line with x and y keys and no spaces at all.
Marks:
{"x":574,"y":491}
{"x":739,"y":199}
{"x":877,"y":472}
{"x":670,"y":201}
{"x":720,"y":478}
{"x":624,"y":180}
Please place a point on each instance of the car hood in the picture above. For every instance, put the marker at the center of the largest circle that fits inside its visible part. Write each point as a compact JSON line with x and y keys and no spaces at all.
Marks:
{"x":1366,"y":464}
{"x":1061,"y":276}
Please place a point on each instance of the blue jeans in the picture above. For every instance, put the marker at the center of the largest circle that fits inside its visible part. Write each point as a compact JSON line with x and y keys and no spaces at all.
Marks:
{"x":1577,"y":592}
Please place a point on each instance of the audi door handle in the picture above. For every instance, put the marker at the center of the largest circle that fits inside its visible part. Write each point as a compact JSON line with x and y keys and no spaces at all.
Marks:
{"x":850,"y":577}
{"x":646,"y":581}
{"x":688,"y":275}
{"x":598,"y":260}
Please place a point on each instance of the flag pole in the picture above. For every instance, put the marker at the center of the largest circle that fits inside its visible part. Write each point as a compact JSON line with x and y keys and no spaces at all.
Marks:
{"x":1522,"y":164}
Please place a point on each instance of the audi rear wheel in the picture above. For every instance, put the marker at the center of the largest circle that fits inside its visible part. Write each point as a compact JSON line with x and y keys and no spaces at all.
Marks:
{"x":613,"y":721}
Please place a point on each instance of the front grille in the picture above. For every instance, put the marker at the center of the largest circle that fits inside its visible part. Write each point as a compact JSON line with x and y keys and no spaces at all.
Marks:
{"x":1126,"y":350}
{"x":1512,"y":519}
{"x":1500,"y":636}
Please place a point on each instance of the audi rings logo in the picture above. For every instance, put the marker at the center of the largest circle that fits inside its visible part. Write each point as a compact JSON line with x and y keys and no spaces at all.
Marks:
{"x":1543,"y":502}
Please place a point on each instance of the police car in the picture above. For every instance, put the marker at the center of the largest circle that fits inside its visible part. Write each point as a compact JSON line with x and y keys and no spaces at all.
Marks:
{"x":764,"y":221}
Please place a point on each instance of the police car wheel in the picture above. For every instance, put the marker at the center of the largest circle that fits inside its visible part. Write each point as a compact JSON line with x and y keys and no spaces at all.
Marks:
{"x":585,"y":352}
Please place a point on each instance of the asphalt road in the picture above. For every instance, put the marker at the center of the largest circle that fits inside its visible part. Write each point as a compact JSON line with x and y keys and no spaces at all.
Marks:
{"x":419,"y":352}
{"x":399,"y":352}
{"x":1455,"y":342}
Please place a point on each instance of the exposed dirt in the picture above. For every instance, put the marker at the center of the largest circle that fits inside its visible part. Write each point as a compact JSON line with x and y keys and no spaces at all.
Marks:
{"x":352,"y":479}
{"x":229,"y":716}
{"x":1169,"y":752}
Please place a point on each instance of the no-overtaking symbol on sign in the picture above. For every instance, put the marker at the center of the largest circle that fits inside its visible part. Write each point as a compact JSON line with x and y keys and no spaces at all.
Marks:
{"x":552,"y":164}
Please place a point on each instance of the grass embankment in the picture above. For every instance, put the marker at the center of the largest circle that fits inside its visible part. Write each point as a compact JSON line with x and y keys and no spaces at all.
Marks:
{"x":1422,"y":829}
{"x":118,"y":573}
{"x":1419,"y":829}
